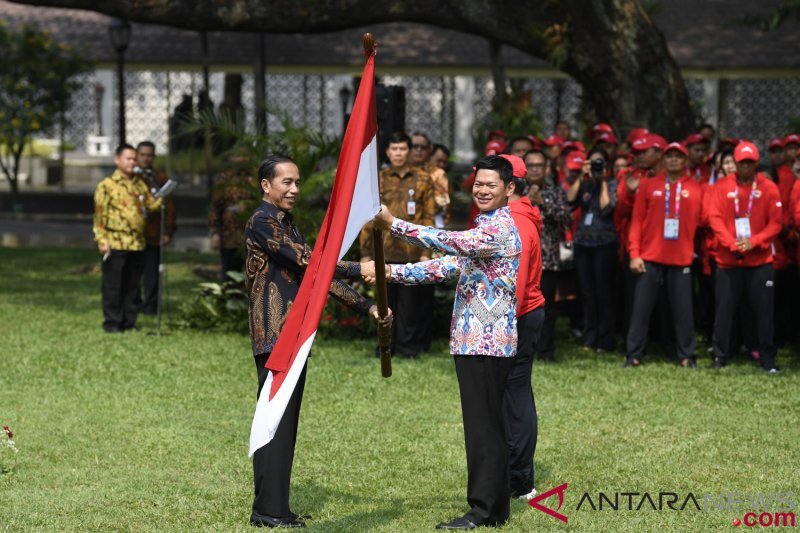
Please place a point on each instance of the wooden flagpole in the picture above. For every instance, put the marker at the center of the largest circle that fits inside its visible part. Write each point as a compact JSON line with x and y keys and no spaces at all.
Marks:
{"x":384,"y":332}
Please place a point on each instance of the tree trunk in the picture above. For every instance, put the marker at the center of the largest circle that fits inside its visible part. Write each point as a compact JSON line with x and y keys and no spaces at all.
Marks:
{"x":611,"y":47}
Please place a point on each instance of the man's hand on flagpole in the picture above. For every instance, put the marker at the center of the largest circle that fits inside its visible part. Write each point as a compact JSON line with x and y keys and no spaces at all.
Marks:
{"x":384,"y":219}
{"x":386,"y":321}
{"x":368,"y":272}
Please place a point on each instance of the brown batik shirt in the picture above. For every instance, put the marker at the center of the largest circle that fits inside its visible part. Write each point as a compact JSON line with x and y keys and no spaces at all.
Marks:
{"x":277,"y":257}
{"x":398,"y":193}
{"x":234,"y":195}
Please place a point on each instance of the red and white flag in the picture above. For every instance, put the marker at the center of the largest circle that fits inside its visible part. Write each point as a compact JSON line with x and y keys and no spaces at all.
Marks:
{"x":354,"y":202}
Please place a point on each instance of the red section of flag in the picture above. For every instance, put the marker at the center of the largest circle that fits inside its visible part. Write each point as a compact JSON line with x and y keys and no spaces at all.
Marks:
{"x":304,"y":316}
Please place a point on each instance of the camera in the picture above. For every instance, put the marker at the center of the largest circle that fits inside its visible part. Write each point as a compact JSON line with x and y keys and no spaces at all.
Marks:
{"x":598,"y":168}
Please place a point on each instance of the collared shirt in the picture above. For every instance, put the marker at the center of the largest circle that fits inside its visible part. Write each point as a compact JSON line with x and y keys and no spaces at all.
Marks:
{"x":277,"y":257}
{"x":486,"y":260}
{"x":396,"y":192}
{"x":152,"y":233}
{"x":120,"y":207}
{"x":235,"y":194}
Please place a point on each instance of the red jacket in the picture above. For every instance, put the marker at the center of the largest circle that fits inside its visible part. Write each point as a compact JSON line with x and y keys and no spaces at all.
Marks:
{"x":529,"y":278}
{"x":646,"y":235}
{"x":786,"y":245}
{"x":765,"y":220}
{"x":625,"y":200}
{"x":794,"y":210}
{"x":701,"y":173}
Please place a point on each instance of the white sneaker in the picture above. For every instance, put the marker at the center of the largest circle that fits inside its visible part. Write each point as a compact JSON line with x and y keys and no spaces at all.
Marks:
{"x":528,"y":497}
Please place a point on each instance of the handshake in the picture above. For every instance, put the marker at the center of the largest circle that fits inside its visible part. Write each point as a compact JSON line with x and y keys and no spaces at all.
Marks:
{"x":368,"y":273}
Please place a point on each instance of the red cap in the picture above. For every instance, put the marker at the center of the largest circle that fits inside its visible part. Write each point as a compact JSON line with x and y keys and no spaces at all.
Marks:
{"x":537,"y":144}
{"x":636,"y":133}
{"x":553,"y":140}
{"x":575,"y":160}
{"x":776,"y":143}
{"x":609,"y":138}
{"x":494,"y":147}
{"x":573,"y":145}
{"x":745,"y":150}
{"x":792,"y":138}
{"x":676,"y":146}
{"x":695,"y":138}
{"x":500,"y":134}
{"x":520,"y":170}
{"x":599,"y":128}
{"x":650,"y":140}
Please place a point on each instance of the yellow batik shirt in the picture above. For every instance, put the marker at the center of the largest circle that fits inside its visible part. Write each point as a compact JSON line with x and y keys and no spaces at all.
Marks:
{"x":120,"y":211}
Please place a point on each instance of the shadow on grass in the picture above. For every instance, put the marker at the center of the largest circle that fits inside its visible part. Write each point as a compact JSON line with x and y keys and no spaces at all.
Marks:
{"x":385,"y":510}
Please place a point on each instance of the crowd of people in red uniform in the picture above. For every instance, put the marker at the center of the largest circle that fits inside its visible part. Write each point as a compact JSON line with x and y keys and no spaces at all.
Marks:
{"x":648,"y":239}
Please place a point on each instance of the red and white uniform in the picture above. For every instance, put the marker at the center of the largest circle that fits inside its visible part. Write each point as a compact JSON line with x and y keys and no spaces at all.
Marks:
{"x":646,"y":238}
{"x":760,"y":203}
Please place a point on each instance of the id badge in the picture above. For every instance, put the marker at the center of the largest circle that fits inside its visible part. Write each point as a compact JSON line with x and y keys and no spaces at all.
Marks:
{"x":671,"y":229}
{"x":587,"y":220}
{"x":743,"y":228}
{"x":411,"y":208}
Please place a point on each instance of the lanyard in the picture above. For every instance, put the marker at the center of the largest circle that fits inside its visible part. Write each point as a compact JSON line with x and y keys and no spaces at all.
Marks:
{"x":677,"y":200}
{"x":749,"y":204}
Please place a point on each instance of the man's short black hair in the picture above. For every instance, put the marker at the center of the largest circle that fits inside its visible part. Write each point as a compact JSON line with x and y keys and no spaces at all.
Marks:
{"x":706,"y":125}
{"x":122,"y":147}
{"x":520,"y":186}
{"x":516,"y":140}
{"x":498,"y":164}
{"x":146,"y":144}
{"x":266,"y":170}
{"x":423,"y":135}
{"x":535,"y":151}
{"x":441,"y":147}
{"x":399,"y":137}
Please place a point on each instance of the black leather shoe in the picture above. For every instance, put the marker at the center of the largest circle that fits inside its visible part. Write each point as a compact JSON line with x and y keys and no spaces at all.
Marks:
{"x":302,"y":517}
{"x":458,"y":523}
{"x":718,"y":363}
{"x":262,"y":520}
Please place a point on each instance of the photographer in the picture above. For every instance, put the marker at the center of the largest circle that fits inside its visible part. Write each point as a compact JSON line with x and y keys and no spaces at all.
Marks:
{"x":145,"y":154}
{"x":596,"y":249}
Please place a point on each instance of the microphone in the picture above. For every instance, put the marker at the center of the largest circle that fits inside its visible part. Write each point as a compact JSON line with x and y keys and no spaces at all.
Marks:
{"x":166,"y":189}
{"x":137,"y":170}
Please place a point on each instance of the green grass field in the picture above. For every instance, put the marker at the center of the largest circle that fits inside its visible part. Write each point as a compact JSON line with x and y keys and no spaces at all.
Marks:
{"x":140,"y":433}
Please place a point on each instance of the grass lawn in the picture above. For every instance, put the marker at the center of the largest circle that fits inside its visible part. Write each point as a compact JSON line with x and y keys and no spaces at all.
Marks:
{"x":140,"y":433}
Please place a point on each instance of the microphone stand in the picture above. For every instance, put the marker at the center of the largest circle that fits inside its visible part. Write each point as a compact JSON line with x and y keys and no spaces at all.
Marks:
{"x":161,"y":266}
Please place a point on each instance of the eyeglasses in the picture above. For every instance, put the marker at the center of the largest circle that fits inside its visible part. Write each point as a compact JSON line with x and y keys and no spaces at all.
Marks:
{"x":420,"y":146}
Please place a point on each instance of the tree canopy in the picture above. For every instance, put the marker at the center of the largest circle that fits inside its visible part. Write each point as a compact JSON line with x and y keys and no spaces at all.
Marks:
{"x":611,"y":47}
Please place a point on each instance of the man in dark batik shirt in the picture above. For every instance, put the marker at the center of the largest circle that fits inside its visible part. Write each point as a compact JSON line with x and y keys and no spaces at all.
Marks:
{"x":277,"y":256}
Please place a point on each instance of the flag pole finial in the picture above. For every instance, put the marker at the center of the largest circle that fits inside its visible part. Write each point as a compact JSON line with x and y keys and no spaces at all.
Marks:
{"x":369,"y":44}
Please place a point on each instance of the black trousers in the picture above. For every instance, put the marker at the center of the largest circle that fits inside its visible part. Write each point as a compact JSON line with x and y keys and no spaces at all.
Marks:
{"x":481,"y":382}
{"x":122,"y":272}
{"x":272,"y":463}
{"x":149,"y":298}
{"x":662,"y":281}
{"x":411,"y":323}
{"x":596,"y":267}
{"x":757,"y":284}
{"x":231,"y":259}
{"x":786,"y":297}
{"x":546,"y":347}
{"x":519,"y":406}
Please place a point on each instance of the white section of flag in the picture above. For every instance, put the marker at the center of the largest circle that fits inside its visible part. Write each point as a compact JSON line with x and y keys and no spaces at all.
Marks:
{"x":366,"y":198}
{"x":269,"y":413}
